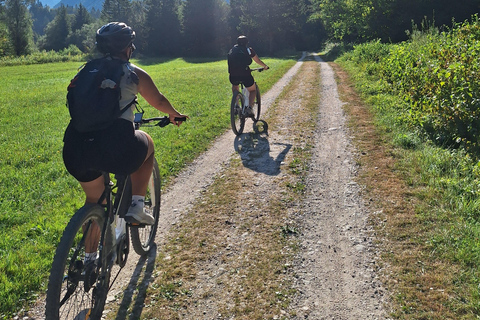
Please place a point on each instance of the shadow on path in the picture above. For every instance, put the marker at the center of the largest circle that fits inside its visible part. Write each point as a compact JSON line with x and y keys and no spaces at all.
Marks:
{"x":257,"y":154}
{"x":132,"y":305}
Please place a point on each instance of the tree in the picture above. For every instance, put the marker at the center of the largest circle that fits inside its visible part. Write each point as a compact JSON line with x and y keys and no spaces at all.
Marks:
{"x":81,"y":18}
{"x":83,"y":38}
{"x":19,"y":25}
{"x":5,"y":45}
{"x":162,"y":27}
{"x":41,"y":16}
{"x":116,"y":10}
{"x":57,"y":31}
{"x":205,"y":27}
{"x":138,"y":13}
{"x":388,"y":20}
{"x":270,"y":25}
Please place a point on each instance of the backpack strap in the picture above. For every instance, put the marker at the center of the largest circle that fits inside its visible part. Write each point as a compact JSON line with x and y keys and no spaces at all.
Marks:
{"x":134,"y":101}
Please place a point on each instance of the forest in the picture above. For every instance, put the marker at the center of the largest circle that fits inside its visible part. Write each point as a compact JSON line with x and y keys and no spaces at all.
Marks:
{"x":207,"y":28}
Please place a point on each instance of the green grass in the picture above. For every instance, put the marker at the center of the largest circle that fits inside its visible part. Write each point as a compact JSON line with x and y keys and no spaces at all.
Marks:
{"x":38,"y":196}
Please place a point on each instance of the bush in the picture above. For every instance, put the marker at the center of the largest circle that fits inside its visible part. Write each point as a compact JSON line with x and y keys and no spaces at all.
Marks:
{"x":438,"y":74}
{"x":72,"y":53}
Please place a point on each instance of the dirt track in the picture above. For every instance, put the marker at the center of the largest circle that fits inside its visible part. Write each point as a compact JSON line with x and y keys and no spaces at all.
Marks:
{"x":334,"y":272}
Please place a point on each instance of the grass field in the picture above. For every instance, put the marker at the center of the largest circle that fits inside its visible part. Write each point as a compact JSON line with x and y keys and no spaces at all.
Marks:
{"x":38,"y":196}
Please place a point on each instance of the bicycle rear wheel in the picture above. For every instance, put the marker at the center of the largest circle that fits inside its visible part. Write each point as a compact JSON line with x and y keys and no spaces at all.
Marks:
{"x":237,"y":119}
{"x":78,"y":289}
{"x":143,"y":236}
{"x":257,"y":104}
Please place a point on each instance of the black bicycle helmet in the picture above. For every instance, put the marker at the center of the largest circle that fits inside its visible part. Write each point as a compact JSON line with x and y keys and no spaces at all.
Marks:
{"x":114,"y":37}
{"x":242,"y":41}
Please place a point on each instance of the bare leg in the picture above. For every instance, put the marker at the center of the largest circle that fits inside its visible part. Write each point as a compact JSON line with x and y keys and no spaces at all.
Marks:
{"x":252,"y":92}
{"x":92,"y":238}
{"x":141,"y":177}
{"x":93,"y":191}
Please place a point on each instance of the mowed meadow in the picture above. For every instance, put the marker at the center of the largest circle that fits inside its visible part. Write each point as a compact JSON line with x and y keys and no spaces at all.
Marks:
{"x":38,"y":196}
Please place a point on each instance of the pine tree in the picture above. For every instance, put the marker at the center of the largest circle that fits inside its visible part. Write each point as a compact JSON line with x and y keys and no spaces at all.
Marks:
{"x":205,"y":27}
{"x":57,"y":31}
{"x":82,"y":16}
{"x":162,"y":28}
{"x":116,"y":10}
{"x":270,"y":25}
{"x":19,"y":23}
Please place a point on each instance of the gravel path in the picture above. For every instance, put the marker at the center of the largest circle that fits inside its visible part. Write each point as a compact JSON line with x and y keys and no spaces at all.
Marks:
{"x":335,"y":270}
{"x":336,"y":266}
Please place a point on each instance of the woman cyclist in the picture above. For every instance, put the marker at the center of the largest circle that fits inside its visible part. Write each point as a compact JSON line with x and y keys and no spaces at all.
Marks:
{"x":120,"y":148}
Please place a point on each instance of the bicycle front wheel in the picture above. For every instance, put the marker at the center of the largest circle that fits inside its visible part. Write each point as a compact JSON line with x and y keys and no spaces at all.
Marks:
{"x":257,"y":104}
{"x":237,"y":118}
{"x":143,"y":236}
{"x":78,"y":287}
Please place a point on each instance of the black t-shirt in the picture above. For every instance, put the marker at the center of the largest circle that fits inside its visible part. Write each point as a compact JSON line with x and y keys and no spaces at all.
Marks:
{"x":239,"y":58}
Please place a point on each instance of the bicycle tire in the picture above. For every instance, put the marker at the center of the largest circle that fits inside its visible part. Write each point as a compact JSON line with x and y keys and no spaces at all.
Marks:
{"x":257,"y":104}
{"x":143,"y":236}
{"x":86,"y":299}
{"x":237,"y":119}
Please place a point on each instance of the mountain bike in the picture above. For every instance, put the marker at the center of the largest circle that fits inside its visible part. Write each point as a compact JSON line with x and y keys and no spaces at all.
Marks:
{"x":78,"y":287}
{"x":239,"y":104}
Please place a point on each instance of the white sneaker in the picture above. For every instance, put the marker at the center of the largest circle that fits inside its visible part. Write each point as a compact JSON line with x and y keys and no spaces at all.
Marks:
{"x":139,"y":214}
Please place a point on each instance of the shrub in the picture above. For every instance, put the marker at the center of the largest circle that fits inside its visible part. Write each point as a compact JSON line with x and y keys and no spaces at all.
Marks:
{"x":72,"y":53}
{"x":438,"y":74}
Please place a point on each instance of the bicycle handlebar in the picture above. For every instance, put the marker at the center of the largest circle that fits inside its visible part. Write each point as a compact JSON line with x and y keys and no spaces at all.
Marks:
{"x":162,"y":121}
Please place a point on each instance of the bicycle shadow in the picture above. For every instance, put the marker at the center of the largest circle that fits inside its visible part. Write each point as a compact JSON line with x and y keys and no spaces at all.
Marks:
{"x":132,"y":308}
{"x":258,"y":154}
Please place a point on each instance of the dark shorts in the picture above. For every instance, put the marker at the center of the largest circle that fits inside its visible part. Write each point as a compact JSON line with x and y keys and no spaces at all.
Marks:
{"x":119,"y":149}
{"x":247,"y":80}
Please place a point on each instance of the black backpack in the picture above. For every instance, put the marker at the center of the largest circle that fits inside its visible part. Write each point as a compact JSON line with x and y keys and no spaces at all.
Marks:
{"x":94,"y":94}
{"x":238,"y":59}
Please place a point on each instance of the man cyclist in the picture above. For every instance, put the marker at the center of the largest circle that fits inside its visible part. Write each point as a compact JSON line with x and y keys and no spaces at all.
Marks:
{"x":240,"y":57}
{"x":119,"y":148}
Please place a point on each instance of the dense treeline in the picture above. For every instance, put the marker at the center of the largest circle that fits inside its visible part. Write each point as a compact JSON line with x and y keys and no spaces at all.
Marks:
{"x":208,"y":27}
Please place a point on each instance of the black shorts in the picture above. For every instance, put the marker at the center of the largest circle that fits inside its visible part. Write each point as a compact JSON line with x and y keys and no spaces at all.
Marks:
{"x":247,"y":80}
{"x":119,"y":149}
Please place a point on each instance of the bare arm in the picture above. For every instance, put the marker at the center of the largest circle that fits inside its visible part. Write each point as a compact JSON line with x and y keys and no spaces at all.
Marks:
{"x":148,"y":90}
{"x":260,"y":62}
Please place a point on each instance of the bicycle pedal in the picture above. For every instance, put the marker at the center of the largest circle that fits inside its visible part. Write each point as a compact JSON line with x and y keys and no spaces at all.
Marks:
{"x":134,"y":223}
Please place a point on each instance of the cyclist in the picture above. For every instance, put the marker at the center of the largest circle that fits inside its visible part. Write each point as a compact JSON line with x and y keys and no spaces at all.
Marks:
{"x":239,"y":69}
{"x":120,"y":148}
